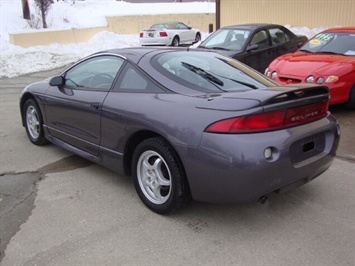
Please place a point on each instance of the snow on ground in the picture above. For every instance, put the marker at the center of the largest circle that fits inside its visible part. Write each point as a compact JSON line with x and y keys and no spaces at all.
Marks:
{"x":69,"y":14}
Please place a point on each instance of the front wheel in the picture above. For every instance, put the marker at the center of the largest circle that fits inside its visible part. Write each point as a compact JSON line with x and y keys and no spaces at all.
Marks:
{"x":159,"y":177}
{"x":351,"y":102}
{"x":34,"y":123}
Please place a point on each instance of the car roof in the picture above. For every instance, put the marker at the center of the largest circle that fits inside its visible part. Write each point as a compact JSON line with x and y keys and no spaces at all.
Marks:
{"x":252,"y":26}
{"x":134,"y":54}
{"x":341,"y":29}
{"x":166,"y":22}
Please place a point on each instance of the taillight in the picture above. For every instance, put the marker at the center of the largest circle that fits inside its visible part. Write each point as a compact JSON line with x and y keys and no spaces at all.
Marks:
{"x":163,"y":34}
{"x":305,"y":114}
{"x":270,"y":121}
{"x":141,"y":35}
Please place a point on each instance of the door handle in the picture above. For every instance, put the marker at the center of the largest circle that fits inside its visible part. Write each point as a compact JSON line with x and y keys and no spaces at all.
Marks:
{"x":95,"y":106}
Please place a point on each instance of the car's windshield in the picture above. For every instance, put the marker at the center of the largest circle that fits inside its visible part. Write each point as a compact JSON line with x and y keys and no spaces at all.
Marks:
{"x":331,"y":43}
{"x":227,"y":39}
{"x":209,"y":72}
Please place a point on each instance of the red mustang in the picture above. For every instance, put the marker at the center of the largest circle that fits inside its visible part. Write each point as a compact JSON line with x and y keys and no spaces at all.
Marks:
{"x":327,"y":59}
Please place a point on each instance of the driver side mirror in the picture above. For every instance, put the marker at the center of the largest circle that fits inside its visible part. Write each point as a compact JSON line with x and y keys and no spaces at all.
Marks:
{"x":57,"y":81}
{"x":252,"y":47}
{"x":300,"y":44}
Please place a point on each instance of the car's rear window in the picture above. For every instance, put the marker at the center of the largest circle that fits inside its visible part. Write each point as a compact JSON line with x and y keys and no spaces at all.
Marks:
{"x":163,"y":26}
{"x":208,"y":72}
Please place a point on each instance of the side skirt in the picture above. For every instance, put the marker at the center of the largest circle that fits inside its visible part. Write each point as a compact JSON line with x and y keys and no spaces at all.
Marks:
{"x":107,"y":158}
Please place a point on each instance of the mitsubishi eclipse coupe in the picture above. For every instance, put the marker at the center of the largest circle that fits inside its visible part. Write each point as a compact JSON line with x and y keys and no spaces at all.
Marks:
{"x":185,"y":124}
{"x":327,"y":59}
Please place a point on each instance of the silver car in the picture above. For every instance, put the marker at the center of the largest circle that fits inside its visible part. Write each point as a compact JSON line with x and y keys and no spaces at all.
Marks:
{"x":185,"y":124}
{"x":169,"y":34}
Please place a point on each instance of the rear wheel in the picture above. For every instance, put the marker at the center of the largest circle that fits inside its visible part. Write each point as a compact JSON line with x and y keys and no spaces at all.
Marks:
{"x":159,"y":177}
{"x":175,"y":42}
{"x":197,"y":37}
{"x":351,"y":102}
{"x":34,"y":123}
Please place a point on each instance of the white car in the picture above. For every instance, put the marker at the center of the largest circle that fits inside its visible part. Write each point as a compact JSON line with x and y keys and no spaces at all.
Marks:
{"x":169,"y":34}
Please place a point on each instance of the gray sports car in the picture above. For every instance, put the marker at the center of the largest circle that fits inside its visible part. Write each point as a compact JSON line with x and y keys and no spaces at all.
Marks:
{"x":185,"y":124}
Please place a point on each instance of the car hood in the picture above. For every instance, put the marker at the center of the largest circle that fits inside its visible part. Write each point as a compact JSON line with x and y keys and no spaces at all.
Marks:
{"x":237,"y":101}
{"x":302,"y":64}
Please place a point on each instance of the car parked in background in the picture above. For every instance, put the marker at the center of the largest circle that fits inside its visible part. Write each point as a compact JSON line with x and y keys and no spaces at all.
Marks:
{"x":327,"y":59}
{"x":169,"y":34}
{"x":256,"y":45}
{"x":185,"y":123}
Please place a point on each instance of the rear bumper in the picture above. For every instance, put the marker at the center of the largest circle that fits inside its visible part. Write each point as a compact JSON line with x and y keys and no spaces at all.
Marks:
{"x":232,"y":168}
{"x":166,"y":41}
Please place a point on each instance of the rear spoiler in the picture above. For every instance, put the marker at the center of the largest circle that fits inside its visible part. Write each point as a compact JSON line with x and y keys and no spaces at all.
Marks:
{"x":301,"y":92}
{"x":270,"y":99}
{"x":274,"y":95}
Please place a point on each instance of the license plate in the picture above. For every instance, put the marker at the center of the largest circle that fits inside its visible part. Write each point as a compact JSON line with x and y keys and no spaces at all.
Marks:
{"x":306,"y":148}
{"x":151,"y":34}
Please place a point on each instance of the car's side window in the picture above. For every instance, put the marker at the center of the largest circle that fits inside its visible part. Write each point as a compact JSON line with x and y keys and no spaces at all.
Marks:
{"x":96,"y":73}
{"x":131,"y":80}
{"x":260,"y":38}
{"x":278,"y":36}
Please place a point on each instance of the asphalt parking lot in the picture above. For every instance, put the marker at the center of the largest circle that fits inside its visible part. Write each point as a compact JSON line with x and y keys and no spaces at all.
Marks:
{"x":58,"y":209}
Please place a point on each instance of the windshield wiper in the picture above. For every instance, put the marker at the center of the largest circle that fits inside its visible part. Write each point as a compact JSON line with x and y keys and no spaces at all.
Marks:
{"x":219,"y":48}
{"x":321,"y":52}
{"x":306,"y":51}
{"x":238,"y":81}
{"x":212,"y":76}
{"x":203,"y":73}
{"x":329,"y":52}
{"x":215,"y":47}
{"x":243,"y":83}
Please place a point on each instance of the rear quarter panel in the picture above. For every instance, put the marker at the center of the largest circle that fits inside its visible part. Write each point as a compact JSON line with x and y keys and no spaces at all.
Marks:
{"x":232,"y":168}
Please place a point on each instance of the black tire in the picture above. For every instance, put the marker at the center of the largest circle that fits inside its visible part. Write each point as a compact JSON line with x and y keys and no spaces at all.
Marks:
{"x":159,"y":177}
{"x":197,"y":37}
{"x":175,"y":42}
{"x":351,"y":102}
{"x":34,"y":123}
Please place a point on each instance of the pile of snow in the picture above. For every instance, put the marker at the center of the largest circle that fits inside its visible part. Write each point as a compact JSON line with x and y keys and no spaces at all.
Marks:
{"x":69,"y":14}
{"x":17,"y":61}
